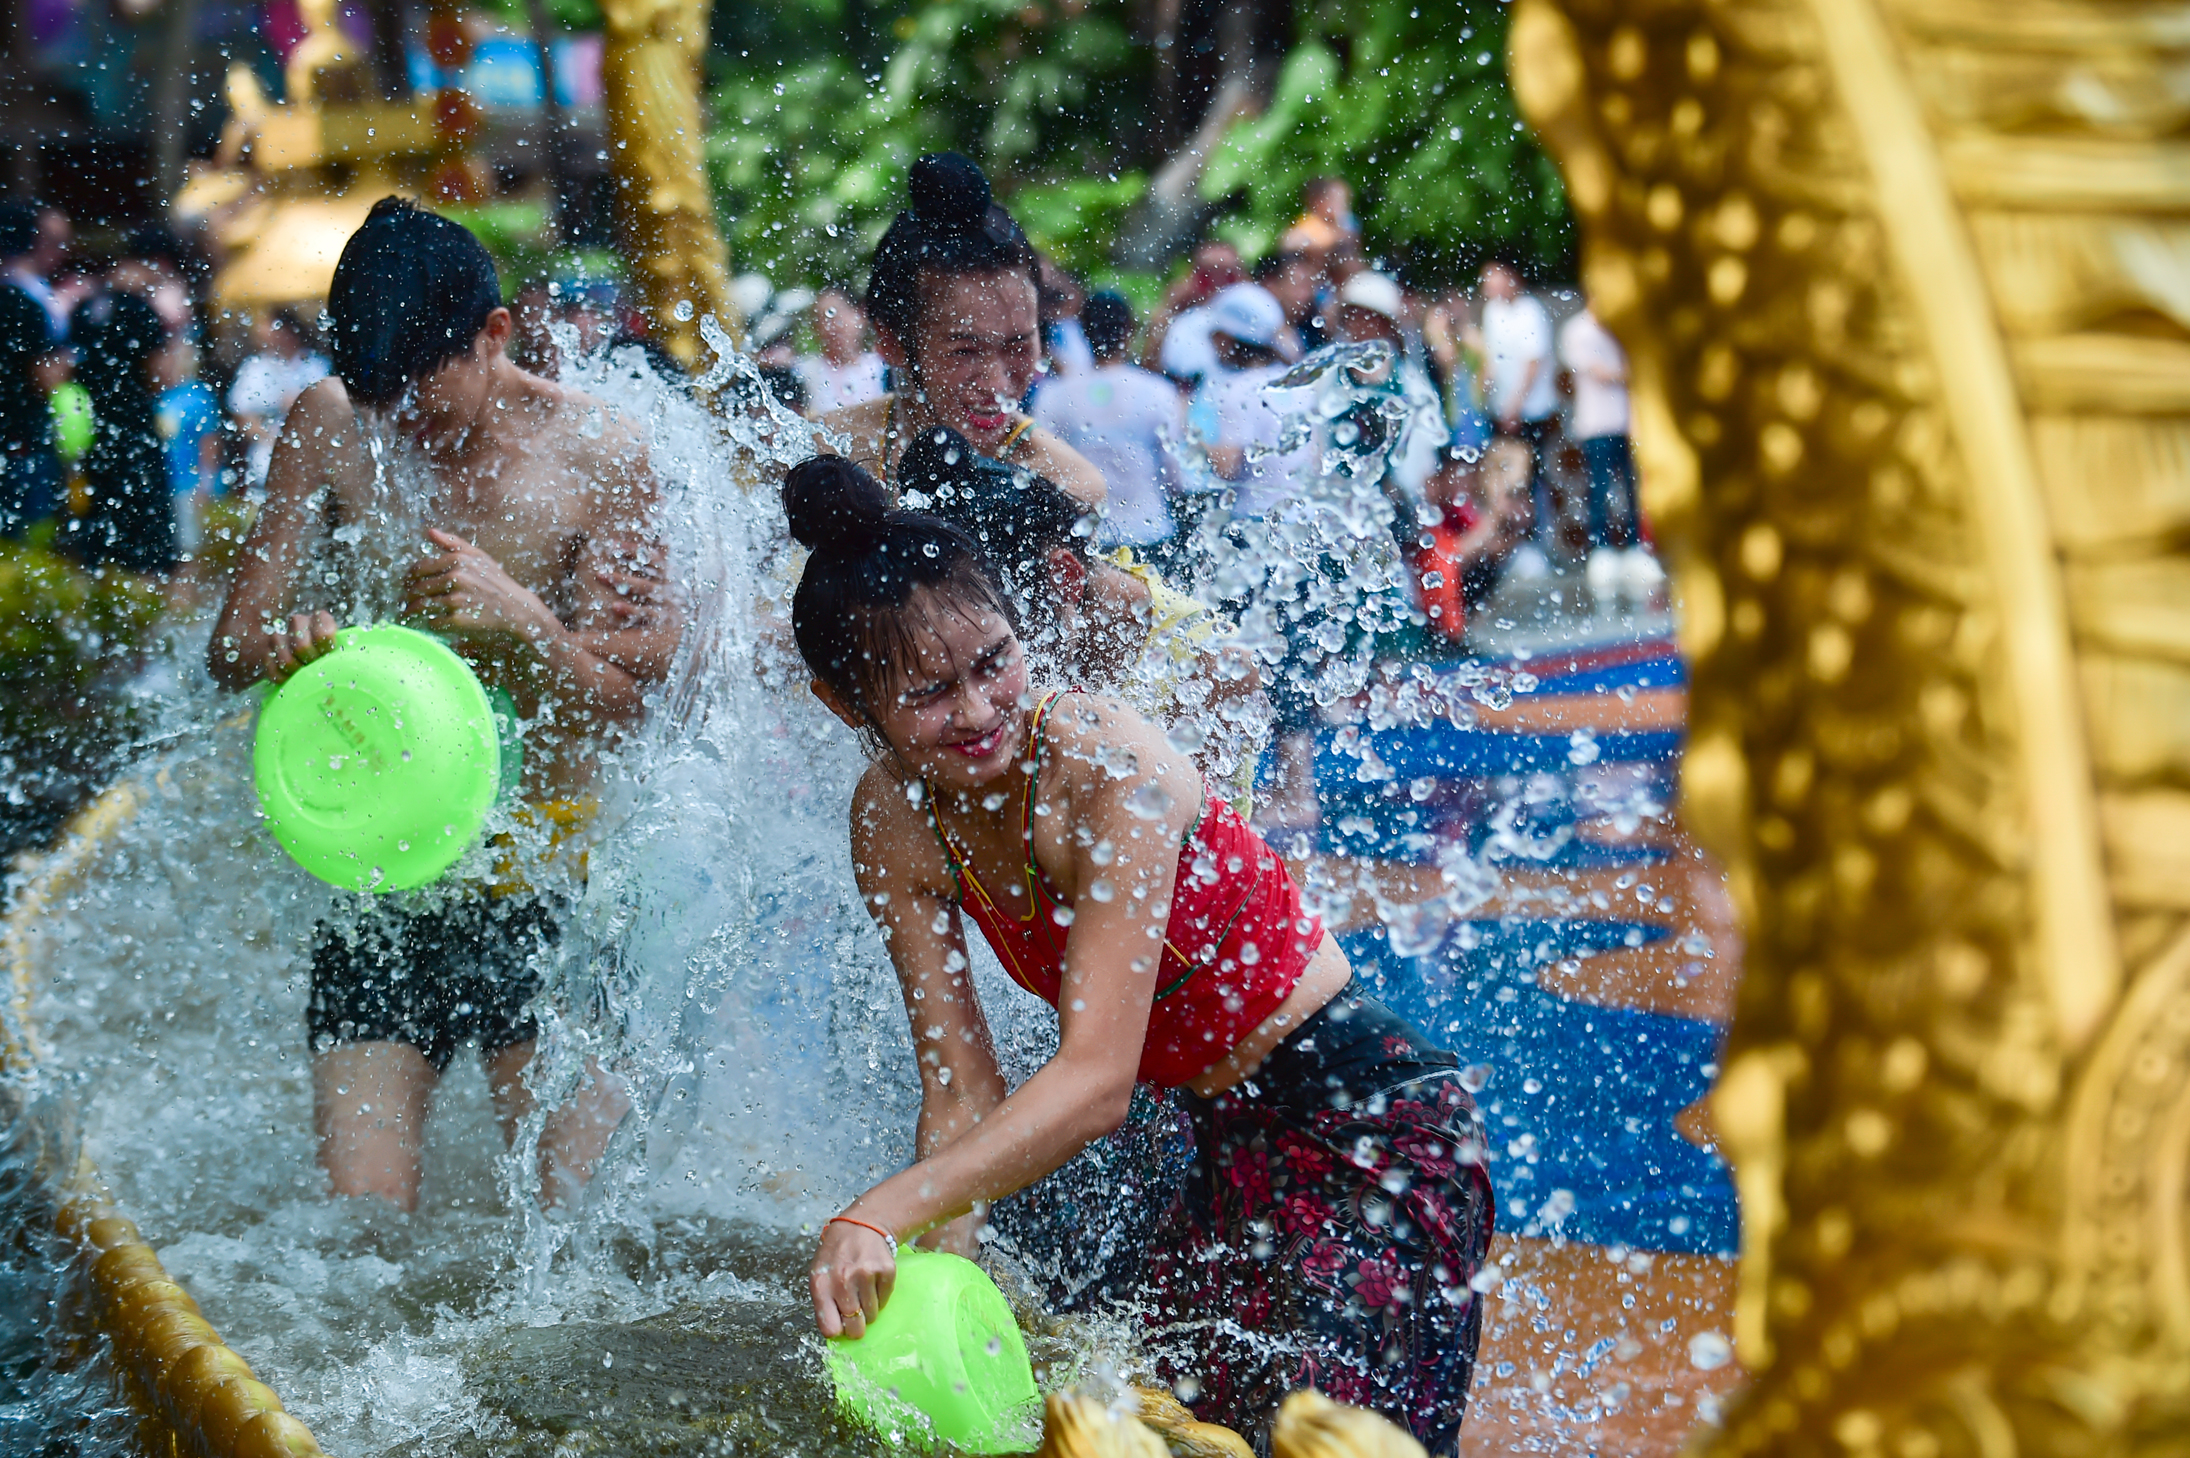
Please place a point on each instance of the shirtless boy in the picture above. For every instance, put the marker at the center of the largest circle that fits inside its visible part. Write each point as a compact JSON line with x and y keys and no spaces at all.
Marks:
{"x":538,"y":500}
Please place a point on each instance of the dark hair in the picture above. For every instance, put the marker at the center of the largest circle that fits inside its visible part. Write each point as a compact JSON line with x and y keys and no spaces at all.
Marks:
{"x":26,"y":337}
{"x":1107,"y":321}
{"x":1015,"y":517}
{"x":784,"y":383}
{"x":953,"y":227}
{"x":1271,"y":265}
{"x":851,"y":613}
{"x":116,"y":335}
{"x":18,"y":229}
{"x":132,"y":521}
{"x":411,"y":292}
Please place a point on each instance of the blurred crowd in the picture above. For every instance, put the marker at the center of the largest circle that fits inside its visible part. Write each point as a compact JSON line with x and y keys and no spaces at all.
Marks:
{"x":126,"y":413}
{"x":130,"y":412}
{"x":1514,"y":450}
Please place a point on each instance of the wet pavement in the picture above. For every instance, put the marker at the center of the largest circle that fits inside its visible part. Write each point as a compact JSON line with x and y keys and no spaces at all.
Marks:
{"x":1500,"y":831}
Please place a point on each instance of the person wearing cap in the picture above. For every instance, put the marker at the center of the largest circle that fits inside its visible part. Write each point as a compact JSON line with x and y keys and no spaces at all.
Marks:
{"x":1237,"y":412}
{"x":1178,"y":335}
{"x":1238,"y":419}
{"x":1125,"y":420}
{"x":1371,"y":307}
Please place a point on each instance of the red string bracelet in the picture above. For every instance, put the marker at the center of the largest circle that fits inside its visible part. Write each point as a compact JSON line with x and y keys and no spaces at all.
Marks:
{"x":863,"y":1225}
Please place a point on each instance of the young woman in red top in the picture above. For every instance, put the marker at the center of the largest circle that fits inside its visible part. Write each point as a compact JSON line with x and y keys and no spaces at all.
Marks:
{"x":1338,"y":1209}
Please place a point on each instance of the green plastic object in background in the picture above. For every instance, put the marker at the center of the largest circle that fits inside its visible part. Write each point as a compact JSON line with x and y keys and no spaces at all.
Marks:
{"x":377,"y":763}
{"x":945,"y":1356}
{"x":73,"y":426}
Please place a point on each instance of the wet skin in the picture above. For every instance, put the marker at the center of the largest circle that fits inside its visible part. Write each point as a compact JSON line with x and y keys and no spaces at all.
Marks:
{"x":973,"y":358}
{"x":537,"y":515}
{"x":1114,"y":804}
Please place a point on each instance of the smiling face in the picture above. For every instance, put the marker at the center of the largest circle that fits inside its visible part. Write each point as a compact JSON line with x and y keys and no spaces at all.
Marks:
{"x":979,"y":343}
{"x":956,"y":712}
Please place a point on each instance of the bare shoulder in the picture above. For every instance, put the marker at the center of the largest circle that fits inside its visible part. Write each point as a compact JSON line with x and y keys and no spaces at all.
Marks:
{"x":321,"y":444}
{"x":605,"y":453}
{"x":1047,"y":455}
{"x":855,"y":431}
{"x":891,"y":838}
{"x":1097,"y":740}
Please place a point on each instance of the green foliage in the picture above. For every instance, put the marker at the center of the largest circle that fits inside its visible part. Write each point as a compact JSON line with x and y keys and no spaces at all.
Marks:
{"x":61,"y":627}
{"x":1053,"y":96}
{"x":1414,"y":110}
{"x":564,"y":15}
{"x":809,"y":157}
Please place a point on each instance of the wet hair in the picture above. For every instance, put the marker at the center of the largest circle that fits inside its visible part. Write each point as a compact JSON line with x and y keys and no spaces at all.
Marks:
{"x":853,"y":613}
{"x":953,"y":228}
{"x":1107,"y":321}
{"x":25,"y":339}
{"x":1015,"y":517}
{"x":411,"y":292}
{"x":18,"y":229}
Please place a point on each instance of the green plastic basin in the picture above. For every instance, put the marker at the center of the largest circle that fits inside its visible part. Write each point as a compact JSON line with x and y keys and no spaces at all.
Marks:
{"x":944,"y":1357}
{"x":376,"y":764}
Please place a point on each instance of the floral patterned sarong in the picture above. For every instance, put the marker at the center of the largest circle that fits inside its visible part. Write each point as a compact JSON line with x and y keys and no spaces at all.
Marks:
{"x":1337,"y":1212}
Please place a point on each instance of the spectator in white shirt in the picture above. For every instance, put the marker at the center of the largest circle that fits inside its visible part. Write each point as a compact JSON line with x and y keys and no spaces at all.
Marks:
{"x":844,"y":373}
{"x":1124,"y":419}
{"x":33,"y":245}
{"x":1238,"y":411}
{"x":268,"y":383}
{"x":1619,"y":565}
{"x":1371,"y":306}
{"x":1238,"y":416}
{"x":1521,"y":372}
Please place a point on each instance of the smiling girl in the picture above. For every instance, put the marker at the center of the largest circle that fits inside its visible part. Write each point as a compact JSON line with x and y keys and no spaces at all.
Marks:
{"x":1338,"y":1209}
{"x":957,"y":316}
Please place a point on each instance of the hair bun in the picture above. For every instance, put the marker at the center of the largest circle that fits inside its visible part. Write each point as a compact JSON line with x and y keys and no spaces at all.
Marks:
{"x":833,"y":505}
{"x":949,"y":192}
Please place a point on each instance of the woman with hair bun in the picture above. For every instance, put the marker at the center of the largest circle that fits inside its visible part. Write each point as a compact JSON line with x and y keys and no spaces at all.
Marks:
{"x":957,"y":316}
{"x":1338,"y":1210}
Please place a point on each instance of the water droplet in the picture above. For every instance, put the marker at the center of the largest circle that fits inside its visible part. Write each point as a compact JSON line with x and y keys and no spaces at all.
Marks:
{"x":1708,"y":1351}
{"x":1062,"y":915}
{"x":1102,"y":890}
{"x":683,"y":312}
{"x":1150,"y":802}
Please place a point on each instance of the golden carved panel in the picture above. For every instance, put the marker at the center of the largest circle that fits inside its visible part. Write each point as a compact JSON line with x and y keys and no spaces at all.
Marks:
{"x":1907,"y":291}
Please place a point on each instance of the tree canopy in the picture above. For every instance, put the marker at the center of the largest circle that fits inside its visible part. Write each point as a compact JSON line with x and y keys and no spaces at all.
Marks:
{"x":820,"y":105}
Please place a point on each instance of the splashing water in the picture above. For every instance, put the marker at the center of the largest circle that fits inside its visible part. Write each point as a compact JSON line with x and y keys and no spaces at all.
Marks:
{"x":714,"y":959}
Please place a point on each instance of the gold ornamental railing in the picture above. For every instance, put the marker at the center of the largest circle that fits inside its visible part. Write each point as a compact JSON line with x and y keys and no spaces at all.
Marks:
{"x":196,"y":1397}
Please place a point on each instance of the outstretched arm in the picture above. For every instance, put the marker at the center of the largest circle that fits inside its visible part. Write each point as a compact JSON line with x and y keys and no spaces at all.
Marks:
{"x":907,"y":887}
{"x":261,"y":633}
{"x":1120,"y":852}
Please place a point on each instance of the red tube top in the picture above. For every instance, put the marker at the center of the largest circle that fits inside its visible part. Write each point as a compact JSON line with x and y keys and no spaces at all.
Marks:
{"x":1237,"y":941}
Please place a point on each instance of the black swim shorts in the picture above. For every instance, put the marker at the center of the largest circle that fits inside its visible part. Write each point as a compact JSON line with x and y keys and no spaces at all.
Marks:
{"x":433,"y":979}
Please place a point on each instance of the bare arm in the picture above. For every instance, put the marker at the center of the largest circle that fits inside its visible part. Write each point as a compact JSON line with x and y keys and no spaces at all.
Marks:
{"x":599,"y":664}
{"x":1117,"y":871}
{"x":260,"y":633}
{"x":907,"y":888}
